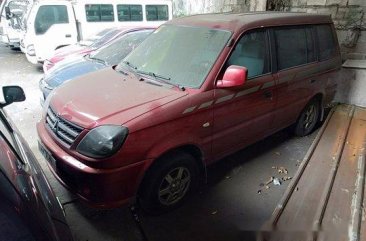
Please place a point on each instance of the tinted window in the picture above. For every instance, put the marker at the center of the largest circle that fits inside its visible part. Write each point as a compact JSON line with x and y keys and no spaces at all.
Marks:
{"x":311,"y":57}
{"x":48,"y":16}
{"x":157,"y":12}
{"x":114,"y":52}
{"x":251,"y":52}
{"x":291,"y":47}
{"x":129,"y":13}
{"x":327,"y":48}
{"x":99,"y":12}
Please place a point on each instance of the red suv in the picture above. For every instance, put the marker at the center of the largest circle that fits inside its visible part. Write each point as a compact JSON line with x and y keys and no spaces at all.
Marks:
{"x":197,"y":89}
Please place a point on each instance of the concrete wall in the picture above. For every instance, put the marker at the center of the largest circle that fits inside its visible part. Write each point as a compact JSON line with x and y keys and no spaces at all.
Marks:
{"x":349,"y":17}
{"x":189,"y":7}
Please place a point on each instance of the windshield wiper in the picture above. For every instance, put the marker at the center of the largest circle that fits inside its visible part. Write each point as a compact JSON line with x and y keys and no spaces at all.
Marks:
{"x":130,"y":65}
{"x":98,"y":60}
{"x":161,"y":78}
{"x":157,"y":77}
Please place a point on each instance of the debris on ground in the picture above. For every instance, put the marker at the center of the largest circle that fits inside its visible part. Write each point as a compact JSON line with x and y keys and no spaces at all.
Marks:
{"x":277,"y":153}
{"x":276,"y":181}
{"x":214,"y":212}
{"x":297,"y":189}
{"x":227,"y":177}
{"x":282,"y":170}
{"x":259,"y":191}
{"x":286,"y":178}
{"x":267,"y":187}
{"x":270,"y":181}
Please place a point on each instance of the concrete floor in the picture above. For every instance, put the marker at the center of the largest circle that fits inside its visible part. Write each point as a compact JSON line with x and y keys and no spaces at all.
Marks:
{"x":228,"y":207}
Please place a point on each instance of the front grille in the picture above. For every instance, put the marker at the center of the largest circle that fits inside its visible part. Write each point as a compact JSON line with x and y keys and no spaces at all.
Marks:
{"x":64,"y":130}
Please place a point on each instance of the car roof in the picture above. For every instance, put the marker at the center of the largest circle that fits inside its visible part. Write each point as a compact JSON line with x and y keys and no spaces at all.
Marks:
{"x":235,"y":22}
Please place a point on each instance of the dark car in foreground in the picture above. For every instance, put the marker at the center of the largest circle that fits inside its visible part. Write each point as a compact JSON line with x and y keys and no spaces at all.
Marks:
{"x":109,"y":55}
{"x":29,"y":210}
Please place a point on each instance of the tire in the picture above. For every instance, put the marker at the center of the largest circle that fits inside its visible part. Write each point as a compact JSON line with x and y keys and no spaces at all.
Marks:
{"x":168,"y":183}
{"x":308,"y":119}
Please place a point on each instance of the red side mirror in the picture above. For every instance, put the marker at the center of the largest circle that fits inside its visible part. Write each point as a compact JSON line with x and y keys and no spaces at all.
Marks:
{"x":234,"y":76}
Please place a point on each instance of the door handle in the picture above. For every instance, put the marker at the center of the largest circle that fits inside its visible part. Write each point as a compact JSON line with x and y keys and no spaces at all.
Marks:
{"x":68,"y":35}
{"x":268,"y":94}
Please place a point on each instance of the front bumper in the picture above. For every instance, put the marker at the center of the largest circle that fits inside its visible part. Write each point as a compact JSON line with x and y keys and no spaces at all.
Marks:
{"x":104,"y":188}
{"x":32,"y":59}
{"x":14,"y":43}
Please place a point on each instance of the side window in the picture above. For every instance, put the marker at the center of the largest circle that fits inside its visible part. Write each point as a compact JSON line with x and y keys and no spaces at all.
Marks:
{"x":157,"y":12}
{"x":49,"y":15}
{"x":291,"y":47}
{"x":99,"y":12}
{"x":327,"y":47}
{"x":129,"y":13}
{"x":310,"y":56}
{"x":252,"y":52}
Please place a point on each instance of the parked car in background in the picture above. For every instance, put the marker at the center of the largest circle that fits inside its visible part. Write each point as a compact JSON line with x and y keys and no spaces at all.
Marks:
{"x":198,"y":89}
{"x":29,"y":209}
{"x":109,"y":55}
{"x":57,"y":23}
{"x":12,"y":13}
{"x":83,"y":47}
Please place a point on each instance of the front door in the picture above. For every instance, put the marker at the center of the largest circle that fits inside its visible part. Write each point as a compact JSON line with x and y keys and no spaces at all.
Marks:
{"x":244,"y":115}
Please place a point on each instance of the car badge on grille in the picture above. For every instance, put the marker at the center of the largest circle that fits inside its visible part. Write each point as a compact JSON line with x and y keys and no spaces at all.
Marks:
{"x":55,"y":125}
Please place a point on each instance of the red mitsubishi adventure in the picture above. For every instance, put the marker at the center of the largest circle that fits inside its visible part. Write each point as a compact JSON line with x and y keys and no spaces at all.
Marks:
{"x":197,"y":89}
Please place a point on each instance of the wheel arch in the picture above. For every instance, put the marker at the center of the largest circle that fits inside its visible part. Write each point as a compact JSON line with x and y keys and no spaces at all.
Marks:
{"x":191,"y":149}
{"x":320,"y":98}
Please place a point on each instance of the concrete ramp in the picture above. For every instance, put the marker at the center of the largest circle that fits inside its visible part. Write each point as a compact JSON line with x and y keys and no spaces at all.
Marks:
{"x":325,"y":200}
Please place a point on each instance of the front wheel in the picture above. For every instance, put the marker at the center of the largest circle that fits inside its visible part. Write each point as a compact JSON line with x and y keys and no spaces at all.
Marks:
{"x":308,"y":119}
{"x":168,"y":183}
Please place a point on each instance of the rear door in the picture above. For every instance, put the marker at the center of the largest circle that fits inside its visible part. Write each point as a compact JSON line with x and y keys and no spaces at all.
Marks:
{"x":297,"y":67}
{"x":244,"y":115}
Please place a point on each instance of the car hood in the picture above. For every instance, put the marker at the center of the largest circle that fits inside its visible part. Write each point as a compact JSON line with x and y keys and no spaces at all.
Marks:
{"x":68,"y":70}
{"x":109,"y":97}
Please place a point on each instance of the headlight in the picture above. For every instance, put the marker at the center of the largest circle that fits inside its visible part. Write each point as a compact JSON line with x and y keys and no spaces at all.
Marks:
{"x":103,"y":141}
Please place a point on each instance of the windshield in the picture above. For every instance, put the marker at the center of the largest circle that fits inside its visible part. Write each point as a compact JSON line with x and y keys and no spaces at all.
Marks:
{"x":182,"y":54}
{"x":103,"y":37}
{"x":114,"y":52}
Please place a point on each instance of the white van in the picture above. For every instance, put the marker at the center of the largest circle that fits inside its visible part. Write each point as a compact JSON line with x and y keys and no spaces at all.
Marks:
{"x":53,"y":24}
{"x":11,"y":27}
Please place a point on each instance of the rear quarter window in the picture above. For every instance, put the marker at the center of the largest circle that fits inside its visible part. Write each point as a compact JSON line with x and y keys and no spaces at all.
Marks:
{"x":327,"y":46}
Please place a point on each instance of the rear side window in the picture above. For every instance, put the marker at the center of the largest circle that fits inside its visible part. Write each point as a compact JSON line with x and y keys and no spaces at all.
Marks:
{"x":327,"y":47}
{"x":295,"y":46}
{"x":129,"y":13}
{"x":157,"y":12}
{"x":99,"y":12}
{"x":48,"y":16}
{"x":252,"y":52}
